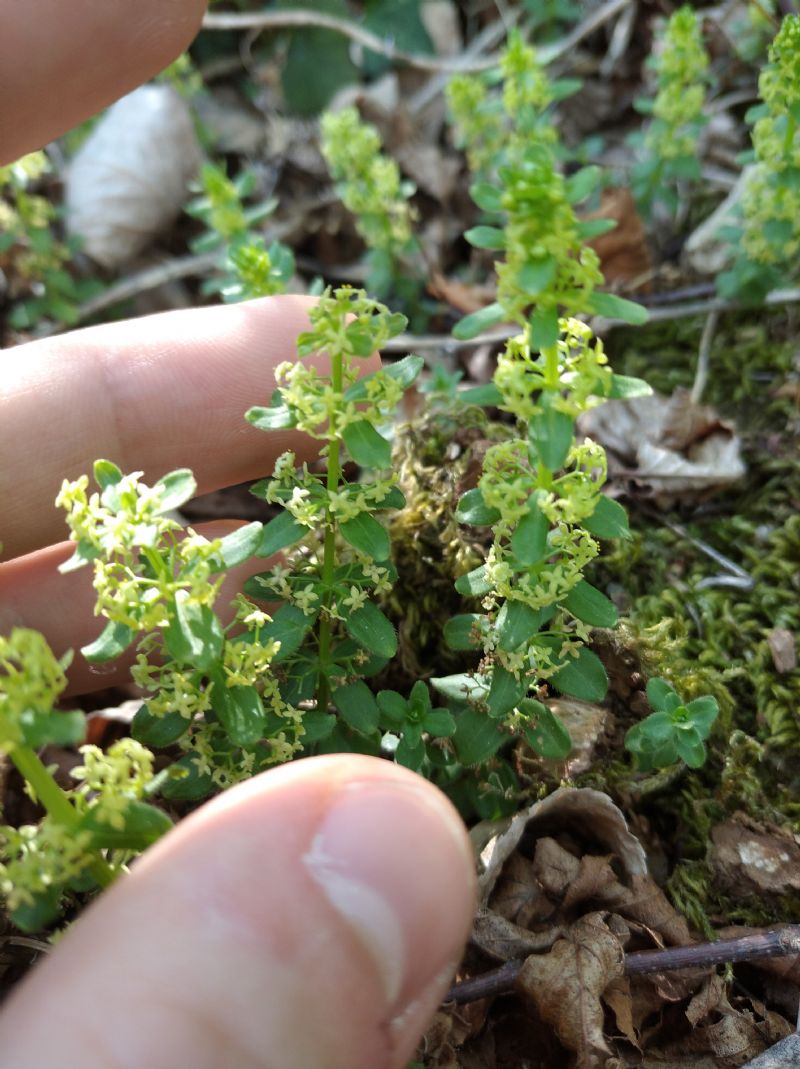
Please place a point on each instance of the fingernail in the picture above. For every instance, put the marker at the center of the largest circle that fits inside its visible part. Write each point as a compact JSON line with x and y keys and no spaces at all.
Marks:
{"x":394,"y":862}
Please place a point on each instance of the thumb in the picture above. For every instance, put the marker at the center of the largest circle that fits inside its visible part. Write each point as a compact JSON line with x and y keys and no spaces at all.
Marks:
{"x":311,"y":917}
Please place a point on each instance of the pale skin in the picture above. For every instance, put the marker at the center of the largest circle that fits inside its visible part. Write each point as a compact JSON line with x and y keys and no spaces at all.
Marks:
{"x":313,"y":916}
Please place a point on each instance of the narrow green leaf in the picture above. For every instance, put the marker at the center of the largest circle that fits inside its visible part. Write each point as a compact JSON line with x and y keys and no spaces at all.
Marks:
{"x":410,"y":755}
{"x":544,"y":328}
{"x":593,"y":228}
{"x":488,"y":394}
{"x":486,"y":237}
{"x":529,"y":541}
{"x":536,"y":275}
{"x":551,"y":434}
{"x":175,"y":489}
{"x":367,"y":448}
{"x":517,"y":623}
{"x":660,"y":693}
{"x":289,"y":626}
{"x":582,"y":677}
{"x":156,"y":732}
{"x":240,"y":710}
{"x":473,"y":325}
{"x":461,"y":687}
{"x":488,"y":198}
{"x":614,"y":307}
{"x":281,"y":531}
{"x":609,"y":520}
{"x":590,"y":605}
{"x":106,"y":473}
{"x":627,"y":386}
{"x":473,"y":509}
{"x":463,"y":632}
{"x":365,"y":534}
{"x":275,"y":418}
{"x":477,"y":737}
{"x":358,"y":707}
{"x":144,"y":824}
{"x":113,"y":640}
{"x":691,"y":748}
{"x":393,"y":500}
{"x":84,"y":554}
{"x":545,"y":734}
{"x":582,"y":183}
{"x":239,"y":545}
{"x":473,"y":584}
{"x":194,"y":635}
{"x":403,"y":371}
{"x":393,"y":706}
{"x":370,"y":628}
{"x":506,"y":691}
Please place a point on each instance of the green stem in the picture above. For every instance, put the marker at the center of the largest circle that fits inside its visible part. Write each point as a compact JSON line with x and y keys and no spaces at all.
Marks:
{"x":56,"y":802}
{"x":329,"y":545}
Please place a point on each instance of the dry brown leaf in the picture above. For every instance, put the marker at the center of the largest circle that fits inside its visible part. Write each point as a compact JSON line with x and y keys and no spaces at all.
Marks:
{"x":518,"y":896}
{"x":617,"y":996}
{"x":623,"y":252}
{"x":466,"y":297}
{"x":650,"y":906}
{"x":783,"y":647}
{"x":751,"y":858}
{"x":667,"y":446}
{"x":566,"y":986}
{"x":711,"y":996}
{"x":503,"y":940}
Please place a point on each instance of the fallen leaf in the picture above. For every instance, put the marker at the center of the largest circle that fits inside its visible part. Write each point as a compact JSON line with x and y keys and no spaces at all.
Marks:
{"x":783,"y":647}
{"x":503,"y":940}
{"x":623,"y":252}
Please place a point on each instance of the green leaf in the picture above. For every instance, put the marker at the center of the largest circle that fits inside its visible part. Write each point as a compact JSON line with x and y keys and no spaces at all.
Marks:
{"x":394,"y":500}
{"x":393,"y":706}
{"x":660,"y":693}
{"x":113,"y":640}
{"x":186,"y":782}
{"x":281,"y":531}
{"x":584,"y":182}
{"x":551,"y":434}
{"x":370,"y":628}
{"x":461,"y":687}
{"x":475,"y":323}
{"x":358,"y":707}
{"x":547,"y":734}
{"x":439,"y":723}
{"x":593,"y":228}
{"x":403,"y":371}
{"x":517,"y":623}
{"x":36,"y":914}
{"x":536,"y":275}
{"x":544,"y":328}
{"x":52,"y":728}
{"x":317,"y":63}
{"x":506,"y":691}
{"x":84,"y":554}
{"x":106,"y":473}
{"x":277,"y":417}
{"x":317,"y":726}
{"x":367,"y":448}
{"x":703,"y":712}
{"x":240,"y":710}
{"x":473,"y":584}
{"x":408,"y":755}
{"x":175,"y":489}
{"x":289,"y":626}
{"x":194,"y":635}
{"x":473,"y":509}
{"x":359,"y":340}
{"x":626,"y":386}
{"x":582,"y":677}
{"x":488,"y":394}
{"x":488,"y":198}
{"x":614,"y":307}
{"x":365,"y":534}
{"x":609,"y":520}
{"x":144,"y":824}
{"x":156,"y":732}
{"x":529,"y":541}
{"x":486,"y":237}
{"x":590,"y":605}
{"x":477,"y":737}
{"x":690,"y":746}
{"x":239,"y":545}
{"x":464,"y":632}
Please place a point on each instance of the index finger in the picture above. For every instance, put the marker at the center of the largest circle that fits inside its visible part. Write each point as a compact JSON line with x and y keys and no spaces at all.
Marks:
{"x":60,"y":63}
{"x":152,"y":394}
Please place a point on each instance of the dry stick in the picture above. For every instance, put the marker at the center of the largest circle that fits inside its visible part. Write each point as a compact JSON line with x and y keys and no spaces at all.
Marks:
{"x":780,"y":942}
{"x":704,"y":357}
{"x":279,"y":20}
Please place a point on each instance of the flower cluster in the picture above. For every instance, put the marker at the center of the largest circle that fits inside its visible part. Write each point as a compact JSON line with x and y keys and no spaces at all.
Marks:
{"x":31,"y":681}
{"x":39,"y":859}
{"x":108,"y":781}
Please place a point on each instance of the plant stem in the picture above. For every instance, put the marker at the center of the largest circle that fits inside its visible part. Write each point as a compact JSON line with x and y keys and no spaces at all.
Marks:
{"x":57,"y":803}
{"x":329,"y":546}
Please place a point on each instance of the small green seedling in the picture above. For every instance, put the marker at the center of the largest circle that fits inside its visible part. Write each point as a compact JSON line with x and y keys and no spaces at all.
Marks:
{"x":674,"y":731}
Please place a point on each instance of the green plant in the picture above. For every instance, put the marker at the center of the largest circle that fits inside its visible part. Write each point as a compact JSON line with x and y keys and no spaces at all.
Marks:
{"x":670,"y":142}
{"x":371,"y":187}
{"x":768,"y":238}
{"x":32,"y":255}
{"x":674,"y":731}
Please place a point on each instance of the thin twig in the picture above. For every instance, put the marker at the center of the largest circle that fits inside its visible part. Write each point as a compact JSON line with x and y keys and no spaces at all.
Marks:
{"x":737,"y":576}
{"x":780,"y":942}
{"x":703,"y":358}
{"x":697,"y":308}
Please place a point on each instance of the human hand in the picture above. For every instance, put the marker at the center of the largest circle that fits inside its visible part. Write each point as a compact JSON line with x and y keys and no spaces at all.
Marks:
{"x":312,"y":916}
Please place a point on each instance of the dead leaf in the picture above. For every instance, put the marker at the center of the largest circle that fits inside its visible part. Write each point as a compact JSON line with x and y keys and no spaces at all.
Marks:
{"x":567,"y":984}
{"x":518,"y":896}
{"x":623,"y":252}
{"x":667,"y":446}
{"x":783,"y":647}
{"x":617,"y":996}
{"x":503,"y":940}
{"x":466,"y":297}
{"x":710,"y":997}
{"x":751,"y":858}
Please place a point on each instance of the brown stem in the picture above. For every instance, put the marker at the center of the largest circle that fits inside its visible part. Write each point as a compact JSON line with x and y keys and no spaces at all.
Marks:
{"x":772,"y":944}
